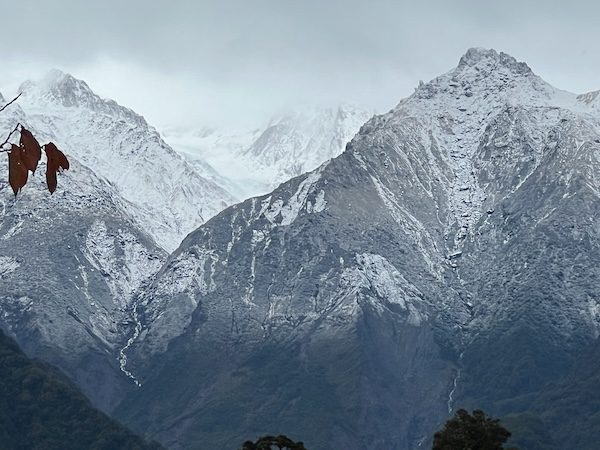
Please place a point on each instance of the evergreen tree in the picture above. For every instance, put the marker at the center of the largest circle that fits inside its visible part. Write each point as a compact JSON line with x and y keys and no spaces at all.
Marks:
{"x":471,"y":432}
{"x":41,"y":409}
{"x":280,"y":442}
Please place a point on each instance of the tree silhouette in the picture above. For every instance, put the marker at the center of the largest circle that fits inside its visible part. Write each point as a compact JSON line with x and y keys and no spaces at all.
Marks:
{"x":280,"y":442}
{"x":471,"y":432}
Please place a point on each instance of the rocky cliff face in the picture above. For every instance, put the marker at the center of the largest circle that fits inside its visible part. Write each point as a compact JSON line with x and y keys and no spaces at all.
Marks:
{"x":447,"y":258}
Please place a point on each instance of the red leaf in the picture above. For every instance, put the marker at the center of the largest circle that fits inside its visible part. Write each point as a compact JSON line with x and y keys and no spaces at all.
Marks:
{"x":56,"y":161}
{"x":31,"y":150}
{"x":17,"y":171}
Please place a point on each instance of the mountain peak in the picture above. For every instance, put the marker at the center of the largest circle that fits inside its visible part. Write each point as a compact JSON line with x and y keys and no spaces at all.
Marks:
{"x":476,"y":54}
{"x":62,"y":88}
{"x":489,"y":59}
{"x":54,"y":75}
{"x":489,"y":79}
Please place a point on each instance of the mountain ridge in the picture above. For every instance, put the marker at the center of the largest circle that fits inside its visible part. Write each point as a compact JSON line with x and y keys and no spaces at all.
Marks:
{"x":440,"y":238}
{"x":447,"y":258}
{"x":122,"y":148}
{"x":69,"y":263}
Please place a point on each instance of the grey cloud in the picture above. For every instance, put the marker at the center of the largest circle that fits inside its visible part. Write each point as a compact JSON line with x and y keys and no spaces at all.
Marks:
{"x":239,"y":60}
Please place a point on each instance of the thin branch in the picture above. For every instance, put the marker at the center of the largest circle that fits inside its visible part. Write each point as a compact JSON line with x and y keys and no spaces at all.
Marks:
{"x":16,"y":127}
{"x":10,"y":103}
{"x":8,"y":138}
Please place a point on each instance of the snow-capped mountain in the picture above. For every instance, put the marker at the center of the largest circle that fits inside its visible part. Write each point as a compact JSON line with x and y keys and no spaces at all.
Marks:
{"x":257,"y":161}
{"x":447,"y":258}
{"x":300,"y":141}
{"x":69,"y":265}
{"x":167,"y":196}
{"x":215,"y":154}
{"x":72,"y":264}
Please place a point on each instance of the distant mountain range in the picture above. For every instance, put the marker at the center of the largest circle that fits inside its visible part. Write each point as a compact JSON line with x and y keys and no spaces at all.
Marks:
{"x":255,"y":162}
{"x":446,"y":256}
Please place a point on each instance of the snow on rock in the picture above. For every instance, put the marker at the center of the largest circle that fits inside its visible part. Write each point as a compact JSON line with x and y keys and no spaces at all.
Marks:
{"x":390,"y":286}
{"x":167,"y":196}
{"x":287,"y":211}
{"x":174,"y":295}
{"x":126,"y":271}
{"x":7,"y":265}
{"x":300,"y":141}
{"x":442,"y":230}
{"x":453,"y":112}
{"x":79,"y":256}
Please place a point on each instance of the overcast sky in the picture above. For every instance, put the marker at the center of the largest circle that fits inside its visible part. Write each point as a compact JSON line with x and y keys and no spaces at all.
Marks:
{"x":236,"y":62}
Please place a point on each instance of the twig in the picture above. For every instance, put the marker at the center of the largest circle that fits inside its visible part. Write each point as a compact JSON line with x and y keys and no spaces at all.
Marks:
{"x":11,"y":102}
{"x":16,"y":127}
{"x":8,"y":137}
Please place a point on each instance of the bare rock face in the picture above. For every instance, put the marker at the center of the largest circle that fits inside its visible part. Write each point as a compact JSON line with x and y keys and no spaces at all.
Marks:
{"x":447,"y":258}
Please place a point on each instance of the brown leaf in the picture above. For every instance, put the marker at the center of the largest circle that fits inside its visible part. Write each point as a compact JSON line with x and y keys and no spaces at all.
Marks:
{"x":51,"y":180}
{"x":56,"y":161}
{"x":17,"y":171}
{"x":31,"y":150}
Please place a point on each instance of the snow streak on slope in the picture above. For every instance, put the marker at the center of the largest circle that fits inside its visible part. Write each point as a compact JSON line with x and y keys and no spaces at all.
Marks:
{"x":455,"y":228}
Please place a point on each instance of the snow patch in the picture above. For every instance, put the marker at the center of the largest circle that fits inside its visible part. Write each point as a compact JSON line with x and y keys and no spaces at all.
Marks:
{"x":121,"y":258}
{"x":289,"y":211}
{"x":384,"y":284}
{"x":7,"y":265}
{"x":188,"y":272}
